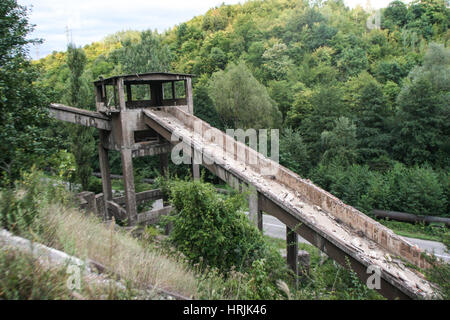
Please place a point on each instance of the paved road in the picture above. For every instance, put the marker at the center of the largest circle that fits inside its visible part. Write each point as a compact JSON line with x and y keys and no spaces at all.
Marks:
{"x":431,"y":246}
{"x":274,"y":228}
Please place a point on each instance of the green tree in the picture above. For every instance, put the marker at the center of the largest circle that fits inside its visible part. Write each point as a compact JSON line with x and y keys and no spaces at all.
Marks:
{"x":352,"y":61}
{"x":340,"y":143}
{"x":351,"y":54}
{"x":321,"y":107}
{"x":23,"y":115}
{"x":276,"y":61}
{"x":82,"y":138}
{"x":283,"y":94}
{"x":428,"y":18}
{"x":348,"y":183}
{"x":394,"y":15}
{"x":240,"y":100}
{"x":204,"y":108}
{"x":417,"y":190}
{"x":422,"y":122}
{"x":293,"y":152}
{"x":367,"y":101}
{"x":149,"y":54}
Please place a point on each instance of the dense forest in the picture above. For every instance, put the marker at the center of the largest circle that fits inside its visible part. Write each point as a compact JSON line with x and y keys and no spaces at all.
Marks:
{"x":362,"y":109}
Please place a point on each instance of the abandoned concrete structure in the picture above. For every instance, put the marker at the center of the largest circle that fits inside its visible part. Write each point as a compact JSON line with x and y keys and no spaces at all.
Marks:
{"x":137,"y":116}
{"x":120,"y":101}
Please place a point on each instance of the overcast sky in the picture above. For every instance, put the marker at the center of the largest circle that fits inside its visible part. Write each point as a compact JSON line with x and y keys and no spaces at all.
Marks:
{"x":92,"y":20}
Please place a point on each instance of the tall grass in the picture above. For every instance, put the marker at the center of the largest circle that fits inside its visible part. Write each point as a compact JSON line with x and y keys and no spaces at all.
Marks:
{"x":86,"y":237}
{"x":26,"y":277}
{"x":45,"y":213}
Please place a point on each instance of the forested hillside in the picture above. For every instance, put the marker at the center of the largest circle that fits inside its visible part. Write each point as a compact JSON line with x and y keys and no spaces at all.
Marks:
{"x":363,"y":113}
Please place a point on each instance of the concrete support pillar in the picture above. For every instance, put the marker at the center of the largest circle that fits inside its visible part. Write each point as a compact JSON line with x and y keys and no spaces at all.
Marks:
{"x":128,"y":182}
{"x":189,"y":96}
{"x":100,"y":203}
{"x":254,"y":214}
{"x":105,"y":171}
{"x":260,"y":221}
{"x":196,"y":158}
{"x":292,"y":250}
{"x":196,"y":171}
{"x":196,"y":161}
{"x":126,"y":138}
{"x":163,"y":163}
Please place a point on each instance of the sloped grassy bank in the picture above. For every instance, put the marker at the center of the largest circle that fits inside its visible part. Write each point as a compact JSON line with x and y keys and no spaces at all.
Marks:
{"x":213,"y":251}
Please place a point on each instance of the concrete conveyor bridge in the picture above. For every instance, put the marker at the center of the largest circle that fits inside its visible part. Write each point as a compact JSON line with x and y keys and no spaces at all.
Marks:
{"x":345,"y":234}
{"x":335,"y":228}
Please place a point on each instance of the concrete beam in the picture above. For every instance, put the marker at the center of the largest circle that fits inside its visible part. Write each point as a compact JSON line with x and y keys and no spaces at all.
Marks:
{"x":150,"y":149}
{"x":153,"y":216}
{"x":292,"y":250}
{"x":255,"y":214}
{"x":79,"y":116}
{"x":142,"y":196}
{"x":117,"y":211}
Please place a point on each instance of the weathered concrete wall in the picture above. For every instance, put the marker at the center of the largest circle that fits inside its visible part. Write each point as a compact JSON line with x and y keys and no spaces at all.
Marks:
{"x":353,"y":218}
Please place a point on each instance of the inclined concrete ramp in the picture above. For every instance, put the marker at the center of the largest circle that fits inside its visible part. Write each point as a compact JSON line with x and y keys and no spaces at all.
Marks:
{"x":349,"y":230}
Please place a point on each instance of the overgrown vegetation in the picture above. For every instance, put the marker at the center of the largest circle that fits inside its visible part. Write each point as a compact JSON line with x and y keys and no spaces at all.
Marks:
{"x":44,"y":213}
{"x":349,"y":99}
{"x":417,"y":190}
{"x":326,"y":279}
{"x":363,"y":112}
{"x":440,"y":274}
{"x":23,"y":119}
{"x":254,"y":271}
{"x":208,"y":226}
{"x":213,"y":232}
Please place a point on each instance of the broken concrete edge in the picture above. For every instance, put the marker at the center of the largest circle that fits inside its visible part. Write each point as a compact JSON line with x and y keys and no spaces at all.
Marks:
{"x":53,"y":257}
{"x":40,"y":251}
{"x":315,"y":195}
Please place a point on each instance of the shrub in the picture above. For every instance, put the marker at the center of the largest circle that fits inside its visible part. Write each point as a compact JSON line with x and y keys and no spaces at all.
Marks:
{"x":212,"y":231}
{"x":213,"y":228}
